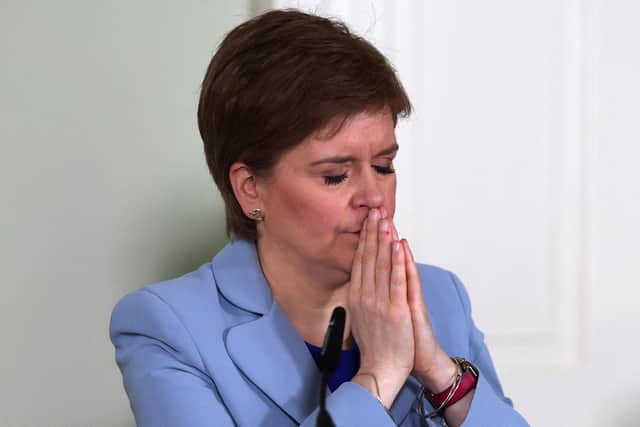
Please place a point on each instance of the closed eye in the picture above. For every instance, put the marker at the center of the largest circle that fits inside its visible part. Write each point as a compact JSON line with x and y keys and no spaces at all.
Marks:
{"x":334,"y":179}
{"x":337,"y":179}
{"x":384,"y":170}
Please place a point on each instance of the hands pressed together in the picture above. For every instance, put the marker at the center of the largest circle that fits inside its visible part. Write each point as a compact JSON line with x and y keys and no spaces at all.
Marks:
{"x":389,"y":318}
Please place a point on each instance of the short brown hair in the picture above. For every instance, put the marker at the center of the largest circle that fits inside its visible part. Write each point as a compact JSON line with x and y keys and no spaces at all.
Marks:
{"x":275,"y":80}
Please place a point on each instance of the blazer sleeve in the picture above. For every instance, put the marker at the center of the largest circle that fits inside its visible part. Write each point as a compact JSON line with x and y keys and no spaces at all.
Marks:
{"x":351,"y":405}
{"x":489,"y":404}
{"x":161,"y":367}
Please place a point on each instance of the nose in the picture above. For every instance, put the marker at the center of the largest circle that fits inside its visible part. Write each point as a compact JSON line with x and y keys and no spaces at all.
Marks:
{"x":368,"y":192}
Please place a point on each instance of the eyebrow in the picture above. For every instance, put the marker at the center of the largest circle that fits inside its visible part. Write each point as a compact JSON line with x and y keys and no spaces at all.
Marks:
{"x":345,"y":159}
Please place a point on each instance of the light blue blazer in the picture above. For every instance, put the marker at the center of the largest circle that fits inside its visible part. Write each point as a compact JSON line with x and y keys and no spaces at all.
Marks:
{"x":212,"y":348}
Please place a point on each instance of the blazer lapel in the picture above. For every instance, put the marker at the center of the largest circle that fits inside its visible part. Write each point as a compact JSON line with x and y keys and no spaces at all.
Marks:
{"x":272,"y":355}
{"x":268,"y":350}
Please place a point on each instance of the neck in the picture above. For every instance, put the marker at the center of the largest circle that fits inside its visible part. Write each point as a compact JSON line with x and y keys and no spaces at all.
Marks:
{"x":306,"y":294}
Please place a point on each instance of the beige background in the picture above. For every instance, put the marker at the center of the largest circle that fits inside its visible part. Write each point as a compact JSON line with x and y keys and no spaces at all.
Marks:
{"x":104,"y":187}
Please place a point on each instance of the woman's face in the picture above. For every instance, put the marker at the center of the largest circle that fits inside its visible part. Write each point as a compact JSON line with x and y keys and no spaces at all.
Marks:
{"x":320,"y":192}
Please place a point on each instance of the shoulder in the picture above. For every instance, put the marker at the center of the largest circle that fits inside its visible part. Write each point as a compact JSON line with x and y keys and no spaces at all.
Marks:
{"x":434,"y":273}
{"x":175,"y":292}
{"x":165,"y":309}
{"x":184,"y":289}
{"x":441,"y":283}
{"x":448,"y":307}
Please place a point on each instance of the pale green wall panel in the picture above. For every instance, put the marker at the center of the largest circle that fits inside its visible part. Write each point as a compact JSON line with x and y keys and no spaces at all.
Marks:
{"x":103,"y":185}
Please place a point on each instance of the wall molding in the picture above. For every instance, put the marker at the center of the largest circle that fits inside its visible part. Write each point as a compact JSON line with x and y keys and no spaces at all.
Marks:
{"x":553,"y":332}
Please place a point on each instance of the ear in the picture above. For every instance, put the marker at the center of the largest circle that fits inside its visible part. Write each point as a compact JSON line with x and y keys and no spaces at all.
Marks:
{"x":244,"y":186}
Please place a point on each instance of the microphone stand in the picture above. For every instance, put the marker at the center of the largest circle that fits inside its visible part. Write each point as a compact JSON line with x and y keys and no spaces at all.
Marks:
{"x":329,"y":361}
{"x":324,"y":418}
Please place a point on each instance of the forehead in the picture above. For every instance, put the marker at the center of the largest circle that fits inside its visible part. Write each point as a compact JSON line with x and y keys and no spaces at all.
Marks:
{"x":360,"y":133}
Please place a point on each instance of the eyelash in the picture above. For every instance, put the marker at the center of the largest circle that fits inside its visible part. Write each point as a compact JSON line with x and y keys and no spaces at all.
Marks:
{"x":337,"y":179}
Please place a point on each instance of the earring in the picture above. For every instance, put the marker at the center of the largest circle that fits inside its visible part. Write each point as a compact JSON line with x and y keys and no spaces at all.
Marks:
{"x":256,"y":214}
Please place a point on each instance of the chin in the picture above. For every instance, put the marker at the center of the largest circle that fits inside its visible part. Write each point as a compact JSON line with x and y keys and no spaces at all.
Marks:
{"x":345,"y":262}
{"x":337,"y":259}
{"x":343,"y":275}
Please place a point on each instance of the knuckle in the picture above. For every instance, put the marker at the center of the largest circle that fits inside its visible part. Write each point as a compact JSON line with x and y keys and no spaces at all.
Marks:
{"x":396,"y":280}
{"x":383,"y":268}
{"x":370,"y":250}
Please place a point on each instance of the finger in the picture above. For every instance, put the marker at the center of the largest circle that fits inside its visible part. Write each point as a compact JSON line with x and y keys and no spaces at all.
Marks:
{"x":383,"y":212}
{"x":383,"y":261}
{"x":369,"y":255}
{"x":398,"y":285}
{"x":356,"y":267}
{"x":394,"y":233}
{"x":414,"y":284}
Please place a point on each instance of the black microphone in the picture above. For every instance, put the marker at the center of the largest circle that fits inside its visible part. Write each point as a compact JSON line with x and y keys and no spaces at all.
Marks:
{"x":329,"y":361}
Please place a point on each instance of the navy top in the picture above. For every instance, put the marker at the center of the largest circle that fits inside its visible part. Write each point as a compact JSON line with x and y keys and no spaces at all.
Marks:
{"x":347,"y":367}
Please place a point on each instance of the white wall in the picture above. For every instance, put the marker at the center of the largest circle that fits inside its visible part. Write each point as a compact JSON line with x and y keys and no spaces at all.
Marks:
{"x":518,"y":171}
{"x":103,"y":187}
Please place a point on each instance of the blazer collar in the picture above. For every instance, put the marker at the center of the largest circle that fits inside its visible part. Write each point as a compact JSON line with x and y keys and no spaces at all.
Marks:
{"x":271,"y":353}
{"x":238,"y":275}
{"x":268,"y":350}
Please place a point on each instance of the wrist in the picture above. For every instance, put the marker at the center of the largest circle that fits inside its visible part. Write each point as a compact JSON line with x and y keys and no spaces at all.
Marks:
{"x":384,"y":387}
{"x":463,"y":386}
{"x":370,"y":382}
{"x":440,"y":376}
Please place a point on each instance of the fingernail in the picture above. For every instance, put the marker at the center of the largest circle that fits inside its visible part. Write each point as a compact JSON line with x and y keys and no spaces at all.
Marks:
{"x":384,"y":225}
{"x":383,"y":212}
{"x":373,"y":214}
{"x":396,"y":246}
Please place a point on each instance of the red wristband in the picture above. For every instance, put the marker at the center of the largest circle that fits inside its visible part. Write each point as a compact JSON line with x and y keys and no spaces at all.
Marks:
{"x":468,"y":382}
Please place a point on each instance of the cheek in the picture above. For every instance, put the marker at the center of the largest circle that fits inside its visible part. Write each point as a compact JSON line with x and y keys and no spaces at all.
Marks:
{"x":323,"y":217}
{"x":322,"y":214}
{"x":390,"y":199}
{"x":313,"y":212}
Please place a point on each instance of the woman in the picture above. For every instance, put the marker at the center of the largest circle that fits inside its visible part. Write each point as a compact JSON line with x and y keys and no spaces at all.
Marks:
{"x":297,"y":116}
